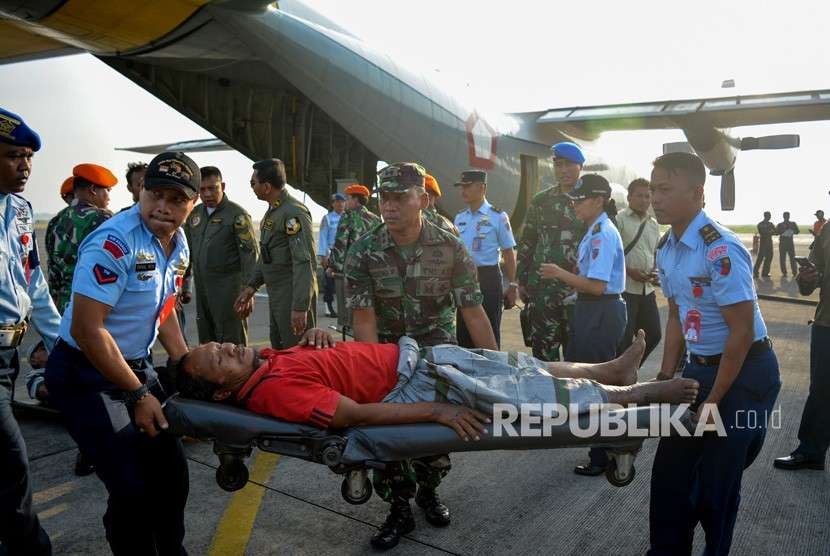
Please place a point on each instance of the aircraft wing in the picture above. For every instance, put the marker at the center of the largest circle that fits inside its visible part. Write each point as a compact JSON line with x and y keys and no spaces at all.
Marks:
{"x":20,"y":45}
{"x":587,"y":122}
{"x":194,"y":146}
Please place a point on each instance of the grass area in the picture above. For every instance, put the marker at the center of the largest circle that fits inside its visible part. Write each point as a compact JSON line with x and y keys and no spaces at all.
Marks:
{"x":743,"y":228}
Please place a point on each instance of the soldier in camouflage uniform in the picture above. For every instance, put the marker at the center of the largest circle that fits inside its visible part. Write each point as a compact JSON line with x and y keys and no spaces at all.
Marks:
{"x":405,"y":278}
{"x":287,"y":264}
{"x":91,"y":185}
{"x":223,"y":255}
{"x":356,"y":221}
{"x":431,"y":212}
{"x":551,"y":235}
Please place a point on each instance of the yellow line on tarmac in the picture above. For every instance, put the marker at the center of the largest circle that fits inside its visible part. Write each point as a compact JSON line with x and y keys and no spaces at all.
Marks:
{"x":234,"y":530}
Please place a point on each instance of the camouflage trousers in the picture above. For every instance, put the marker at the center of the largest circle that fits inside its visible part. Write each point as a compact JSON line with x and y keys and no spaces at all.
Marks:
{"x":400,"y":480}
{"x":549,"y":321}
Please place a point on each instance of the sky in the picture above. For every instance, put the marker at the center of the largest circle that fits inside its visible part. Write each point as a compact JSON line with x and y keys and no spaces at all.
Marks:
{"x":516,"y":56}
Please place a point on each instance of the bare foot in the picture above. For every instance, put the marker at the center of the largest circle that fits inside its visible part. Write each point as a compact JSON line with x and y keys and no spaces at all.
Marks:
{"x":674,"y":391}
{"x":622,"y":371}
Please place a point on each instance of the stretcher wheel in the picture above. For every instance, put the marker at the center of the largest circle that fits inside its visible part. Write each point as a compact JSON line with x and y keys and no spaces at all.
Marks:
{"x":232,"y":476}
{"x":616,"y":477}
{"x":356,"y":490}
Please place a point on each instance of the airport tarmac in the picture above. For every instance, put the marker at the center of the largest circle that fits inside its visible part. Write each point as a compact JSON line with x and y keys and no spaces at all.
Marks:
{"x":502,"y":502}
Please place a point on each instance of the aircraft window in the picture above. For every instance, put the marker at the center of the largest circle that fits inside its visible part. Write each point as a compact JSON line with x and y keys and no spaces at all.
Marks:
{"x":776,"y":99}
{"x":824,"y":96}
{"x":684,"y":106}
{"x":602,"y":111}
{"x":720,"y":103}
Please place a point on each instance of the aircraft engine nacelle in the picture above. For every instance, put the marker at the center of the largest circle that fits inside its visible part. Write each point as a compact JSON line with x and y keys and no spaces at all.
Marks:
{"x":714,"y":148}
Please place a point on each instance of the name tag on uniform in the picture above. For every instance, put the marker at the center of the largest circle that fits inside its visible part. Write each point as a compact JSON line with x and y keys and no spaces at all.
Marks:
{"x":476,"y":244}
{"x":145,"y":267}
{"x":691,"y":326}
{"x":217,"y":220}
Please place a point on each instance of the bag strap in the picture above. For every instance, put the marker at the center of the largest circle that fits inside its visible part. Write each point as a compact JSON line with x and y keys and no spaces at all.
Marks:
{"x":634,"y":241}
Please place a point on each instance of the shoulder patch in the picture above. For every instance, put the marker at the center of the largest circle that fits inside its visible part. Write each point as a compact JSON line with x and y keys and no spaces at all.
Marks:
{"x":104,"y":275}
{"x":240,"y":221}
{"x":723,"y":265}
{"x":293,"y":226}
{"x":597,"y":228}
{"x":663,"y":239}
{"x":115,"y":246}
{"x":709,"y":234}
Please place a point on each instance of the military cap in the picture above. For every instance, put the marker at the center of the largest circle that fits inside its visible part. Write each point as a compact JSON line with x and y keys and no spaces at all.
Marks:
{"x":472,"y":176}
{"x":569,"y":151}
{"x":431,"y":184}
{"x":339,"y":197}
{"x":820,"y":213}
{"x":357,"y":189}
{"x":176,"y":170}
{"x":590,"y":185}
{"x":401,"y":176}
{"x":68,"y":186}
{"x":14,"y":131}
{"x":95,"y":174}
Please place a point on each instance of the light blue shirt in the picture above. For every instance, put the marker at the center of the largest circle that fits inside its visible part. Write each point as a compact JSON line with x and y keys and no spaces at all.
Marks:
{"x":485,"y":233}
{"x":123,"y":265}
{"x":706,"y":269}
{"x":23,"y":289}
{"x":601,"y":255}
{"x":328,"y":232}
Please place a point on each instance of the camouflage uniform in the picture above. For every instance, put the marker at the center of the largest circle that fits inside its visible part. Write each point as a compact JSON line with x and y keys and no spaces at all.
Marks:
{"x":353,"y":224}
{"x":414,"y":292}
{"x":441,"y":221}
{"x":64,"y":235}
{"x":287,"y":266}
{"x":551,"y":235}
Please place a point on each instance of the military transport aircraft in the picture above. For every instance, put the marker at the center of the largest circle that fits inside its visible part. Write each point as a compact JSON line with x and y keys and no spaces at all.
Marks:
{"x":285,"y":81}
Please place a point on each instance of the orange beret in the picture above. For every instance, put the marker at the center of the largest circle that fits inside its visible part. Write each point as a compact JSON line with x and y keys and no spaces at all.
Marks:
{"x":431,"y":184}
{"x":93,"y":173}
{"x":357,"y":189}
{"x":68,"y":185}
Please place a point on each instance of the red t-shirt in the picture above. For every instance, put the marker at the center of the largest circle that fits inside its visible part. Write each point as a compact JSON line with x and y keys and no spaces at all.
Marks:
{"x":304,"y":384}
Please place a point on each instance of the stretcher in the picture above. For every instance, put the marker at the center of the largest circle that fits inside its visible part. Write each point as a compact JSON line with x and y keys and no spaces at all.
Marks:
{"x":355,"y":451}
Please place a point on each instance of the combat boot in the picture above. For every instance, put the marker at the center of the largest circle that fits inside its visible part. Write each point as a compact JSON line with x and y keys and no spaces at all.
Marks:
{"x":331,"y":312}
{"x":398,"y":523}
{"x":435,"y":512}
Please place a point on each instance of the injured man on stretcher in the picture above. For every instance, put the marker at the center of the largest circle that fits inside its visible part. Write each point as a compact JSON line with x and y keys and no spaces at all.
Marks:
{"x":331,"y":384}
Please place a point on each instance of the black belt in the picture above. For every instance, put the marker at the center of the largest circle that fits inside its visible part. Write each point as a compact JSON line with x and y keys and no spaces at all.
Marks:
{"x":757,"y":348}
{"x":589,"y":297}
{"x":134,"y":364}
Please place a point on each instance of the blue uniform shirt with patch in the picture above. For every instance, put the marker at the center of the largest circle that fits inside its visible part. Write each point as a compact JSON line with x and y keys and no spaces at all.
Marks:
{"x":123,"y":265}
{"x":23,"y":289}
{"x":706,"y":269}
{"x":601,"y":255}
{"x":485,"y":233}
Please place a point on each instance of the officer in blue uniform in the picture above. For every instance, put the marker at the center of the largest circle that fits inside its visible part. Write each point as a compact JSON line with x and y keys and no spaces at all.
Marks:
{"x":706,"y":274}
{"x":24,"y":296}
{"x":485,"y":230}
{"x":599,"y":315}
{"x":129,"y":272}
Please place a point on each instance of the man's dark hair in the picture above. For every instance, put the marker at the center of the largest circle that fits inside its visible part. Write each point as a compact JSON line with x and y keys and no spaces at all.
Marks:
{"x":210,"y":172}
{"x":271,"y":170}
{"x":134,"y":167}
{"x":362,"y":199}
{"x":689,"y":164}
{"x":639,"y":182}
{"x":190,"y":386}
{"x":81,"y":183}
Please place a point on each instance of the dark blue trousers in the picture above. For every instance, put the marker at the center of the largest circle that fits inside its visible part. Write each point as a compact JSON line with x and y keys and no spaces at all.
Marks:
{"x":595,"y":333}
{"x":489,"y":280}
{"x":698,"y":479}
{"x":20,"y":530}
{"x":814,"y":432}
{"x":146,"y":478}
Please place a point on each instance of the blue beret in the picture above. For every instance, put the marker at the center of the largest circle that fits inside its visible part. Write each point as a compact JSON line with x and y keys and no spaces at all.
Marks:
{"x":13,"y":130}
{"x":568,"y":150}
{"x":338,"y":197}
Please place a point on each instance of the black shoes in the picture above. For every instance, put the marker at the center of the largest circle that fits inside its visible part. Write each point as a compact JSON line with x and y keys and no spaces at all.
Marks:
{"x":798,"y":461}
{"x":398,"y":523}
{"x":435,"y":512}
{"x":330,"y":312}
{"x":83,"y":466}
{"x":589,"y":470}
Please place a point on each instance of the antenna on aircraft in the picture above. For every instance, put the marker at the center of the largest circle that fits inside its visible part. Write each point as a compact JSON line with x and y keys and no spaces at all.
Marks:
{"x":727,"y":84}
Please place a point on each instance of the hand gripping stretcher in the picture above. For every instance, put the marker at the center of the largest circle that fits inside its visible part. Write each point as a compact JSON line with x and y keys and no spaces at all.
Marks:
{"x":353,"y":452}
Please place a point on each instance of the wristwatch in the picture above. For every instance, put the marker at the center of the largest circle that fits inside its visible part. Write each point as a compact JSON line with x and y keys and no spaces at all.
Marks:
{"x":133,"y":397}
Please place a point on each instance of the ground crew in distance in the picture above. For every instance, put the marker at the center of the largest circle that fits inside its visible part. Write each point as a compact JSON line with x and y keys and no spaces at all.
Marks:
{"x":599,"y":314}
{"x":766,"y":230}
{"x":356,"y":221}
{"x":91,"y":189}
{"x":787,"y":230}
{"x":706,"y":275}
{"x":128,"y":275}
{"x":485,"y":231}
{"x":328,"y":233}
{"x":551,"y":234}
{"x":287,"y":264}
{"x":223,"y":255}
{"x":431,"y":212}
{"x":406,"y":277}
{"x":24,"y":296}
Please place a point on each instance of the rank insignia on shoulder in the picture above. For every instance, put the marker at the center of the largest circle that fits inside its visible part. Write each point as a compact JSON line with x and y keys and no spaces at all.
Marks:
{"x":709,"y":234}
{"x":104,"y":275}
{"x":597,"y":228}
{"x":267,"y":224}
{"x":292,"y":226}
{"x":196,"y":220}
